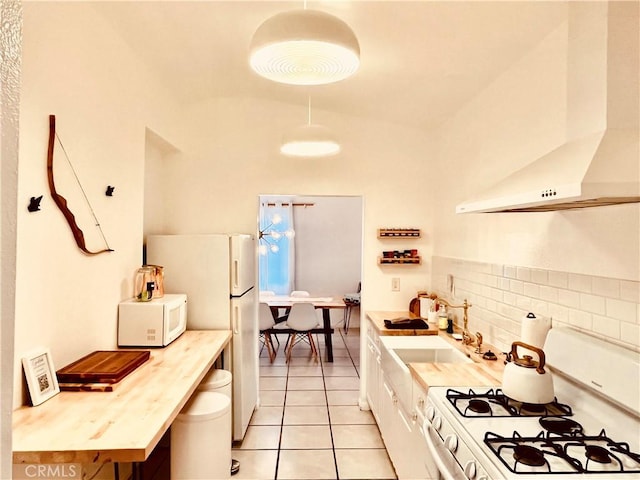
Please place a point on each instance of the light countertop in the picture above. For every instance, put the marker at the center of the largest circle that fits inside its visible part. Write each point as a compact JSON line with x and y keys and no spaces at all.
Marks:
{"x":124,"y":425}
{"x":378,"y":317}
{"x":479,"y":373}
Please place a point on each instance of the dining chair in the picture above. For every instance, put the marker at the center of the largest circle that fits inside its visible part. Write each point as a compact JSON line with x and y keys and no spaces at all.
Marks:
{"x":266,"y":322}
{"x":303,"y":319}
{"x":299,"y":293}
{"x":280,"y":314}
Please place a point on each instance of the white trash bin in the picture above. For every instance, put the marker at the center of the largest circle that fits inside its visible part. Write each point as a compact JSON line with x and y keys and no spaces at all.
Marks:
{"x":201,"y":438}
{"x":218,"y":380}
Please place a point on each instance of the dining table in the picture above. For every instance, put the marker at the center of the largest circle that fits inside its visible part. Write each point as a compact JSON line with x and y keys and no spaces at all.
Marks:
{"x":326,"y":304}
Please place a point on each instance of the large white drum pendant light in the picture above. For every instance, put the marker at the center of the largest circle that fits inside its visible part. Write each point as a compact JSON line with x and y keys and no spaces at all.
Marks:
{"x":304,"y":47}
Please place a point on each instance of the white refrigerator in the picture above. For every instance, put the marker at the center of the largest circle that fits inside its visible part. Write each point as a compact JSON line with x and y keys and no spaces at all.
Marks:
{"x":218,"y":274}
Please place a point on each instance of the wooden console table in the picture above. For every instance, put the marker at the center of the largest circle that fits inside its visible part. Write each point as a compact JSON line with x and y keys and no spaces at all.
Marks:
{"x":124,"y":425}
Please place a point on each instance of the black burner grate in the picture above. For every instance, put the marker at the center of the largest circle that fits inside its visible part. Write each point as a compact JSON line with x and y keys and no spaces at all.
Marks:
{"x":472,"y":404}
{"x":547,"y":453}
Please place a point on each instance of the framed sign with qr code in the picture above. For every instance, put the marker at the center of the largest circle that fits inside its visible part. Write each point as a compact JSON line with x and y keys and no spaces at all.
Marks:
{"x":40,"y":375}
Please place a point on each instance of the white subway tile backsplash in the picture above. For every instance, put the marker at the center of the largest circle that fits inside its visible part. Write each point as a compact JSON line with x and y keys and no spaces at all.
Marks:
{"x":479,"y":302}
{"x":510,"y":271}
{"x":540,"y":277}
{"x":630,"y":333}
{"x":581,"y":319}
{"x":558,"y":279}
{"x":502,"y":294}
{"x":592,"y":303}
{"x":490,"y":280}
{"x":607,"y":287}
{"x":516,"y":286}
{"x":569,"y":298}
{"x":609,"y":327}
{"x":630,"y":291}
{"x":621,"y":310}
{"x":486,"y":291}
{"x":580,"y":283}
{"x":540,"y":307}
{"x":484,"y":267}
{"x":523,"y":302}
{"x":503,"y":283}
{"x":523,"y":273}
{"x":509,"y":298}
{"x":558,"y":312}
{"x":549,"y":293}
{"x":496,"y":294}
{"x":497,"y":269}
{"x":532,"y":290}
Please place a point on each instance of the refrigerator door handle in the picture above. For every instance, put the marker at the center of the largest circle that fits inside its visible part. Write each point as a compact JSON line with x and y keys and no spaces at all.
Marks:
{"x":236,"y":316}
{"x":236,"y":270}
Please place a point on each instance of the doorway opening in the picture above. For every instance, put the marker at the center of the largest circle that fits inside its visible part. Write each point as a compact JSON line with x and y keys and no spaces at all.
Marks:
{"x":310,"y":243}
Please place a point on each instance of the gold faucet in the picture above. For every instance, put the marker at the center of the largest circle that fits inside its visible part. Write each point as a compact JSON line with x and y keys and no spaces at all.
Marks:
{"x":467,"y":339}
{"x":478,"y":342}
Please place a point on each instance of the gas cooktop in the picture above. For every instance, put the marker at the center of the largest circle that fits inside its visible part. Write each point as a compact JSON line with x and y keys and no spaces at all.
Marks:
{"x":569,"y":451}
{"x":494,"y":403}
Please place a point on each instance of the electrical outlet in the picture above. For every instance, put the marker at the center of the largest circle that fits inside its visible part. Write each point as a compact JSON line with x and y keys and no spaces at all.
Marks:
{"x":395,"y":284}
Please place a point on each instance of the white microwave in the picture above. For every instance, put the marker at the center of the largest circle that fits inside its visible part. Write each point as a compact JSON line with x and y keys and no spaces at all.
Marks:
{"x":155,"y":323}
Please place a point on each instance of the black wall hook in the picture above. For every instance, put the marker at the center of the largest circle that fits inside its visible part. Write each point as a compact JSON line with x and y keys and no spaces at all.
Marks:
{"x":34,"y":204}
{"x":109,"y":192}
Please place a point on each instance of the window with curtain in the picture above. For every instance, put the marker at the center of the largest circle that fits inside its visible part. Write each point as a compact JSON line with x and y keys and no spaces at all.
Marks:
{"x":276,"y":247}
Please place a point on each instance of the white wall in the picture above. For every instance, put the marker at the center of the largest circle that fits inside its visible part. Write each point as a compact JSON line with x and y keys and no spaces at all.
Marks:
{"x":226,"y":155}
{"x":515,"y":120}
{"x":104,"y":100}
{"x":158,"y":153}
{"x":10,"y":72}
{"x":329,"y":245}
{"x":231,"y":157}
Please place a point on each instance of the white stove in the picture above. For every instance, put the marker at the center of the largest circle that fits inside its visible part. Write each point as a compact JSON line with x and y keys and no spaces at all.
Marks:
{"x":478,"y":433}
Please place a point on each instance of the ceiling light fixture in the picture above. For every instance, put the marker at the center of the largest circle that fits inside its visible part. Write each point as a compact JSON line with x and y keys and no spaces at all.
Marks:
{"x":304,"y":47}
{"x":266,"y":245}
{"x":310,"y":140}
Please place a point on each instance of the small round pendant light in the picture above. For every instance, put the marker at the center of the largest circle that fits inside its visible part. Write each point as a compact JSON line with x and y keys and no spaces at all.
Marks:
{"x":304,"y":47}
{"x":310,"y":140}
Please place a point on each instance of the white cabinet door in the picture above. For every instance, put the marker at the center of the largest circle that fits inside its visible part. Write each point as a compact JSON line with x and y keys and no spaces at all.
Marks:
{"x":374,"y":372}
{"x":373,"y":379}
{"x":387,"y":413}
{"x":423,"y":457}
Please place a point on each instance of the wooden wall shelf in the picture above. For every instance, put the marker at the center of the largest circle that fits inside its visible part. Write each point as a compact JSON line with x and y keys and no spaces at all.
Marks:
{"x":400,"y":261}
{"x":399,"y":233}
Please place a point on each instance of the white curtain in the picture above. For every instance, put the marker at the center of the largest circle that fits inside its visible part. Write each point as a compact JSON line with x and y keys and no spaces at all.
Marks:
{"x":277,"y":248}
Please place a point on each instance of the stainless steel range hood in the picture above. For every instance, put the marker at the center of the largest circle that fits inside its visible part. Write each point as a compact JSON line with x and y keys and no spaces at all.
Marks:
{"x":600,"y":163}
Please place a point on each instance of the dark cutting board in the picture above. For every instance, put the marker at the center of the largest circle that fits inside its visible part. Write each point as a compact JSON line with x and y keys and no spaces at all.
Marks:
{"x":103,"y":366}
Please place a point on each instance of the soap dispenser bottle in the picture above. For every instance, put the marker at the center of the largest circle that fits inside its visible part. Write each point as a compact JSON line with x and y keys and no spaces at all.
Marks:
{"x":442,"y":317}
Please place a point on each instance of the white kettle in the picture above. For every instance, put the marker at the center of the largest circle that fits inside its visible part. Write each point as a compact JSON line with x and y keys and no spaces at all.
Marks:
{"x":525,"y":379}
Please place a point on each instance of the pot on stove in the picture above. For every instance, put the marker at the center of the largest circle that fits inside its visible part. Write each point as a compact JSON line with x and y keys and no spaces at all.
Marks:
{"x":525,"y":379}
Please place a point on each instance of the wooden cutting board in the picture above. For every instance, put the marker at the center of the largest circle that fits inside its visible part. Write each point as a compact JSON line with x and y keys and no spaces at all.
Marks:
{"x":102,"y":367}
{"x":87,"y":387}
{"x":455,"y":374}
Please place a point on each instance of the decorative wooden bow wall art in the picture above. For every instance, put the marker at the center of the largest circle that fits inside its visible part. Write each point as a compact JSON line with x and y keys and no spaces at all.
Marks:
{"x":61,"y":202}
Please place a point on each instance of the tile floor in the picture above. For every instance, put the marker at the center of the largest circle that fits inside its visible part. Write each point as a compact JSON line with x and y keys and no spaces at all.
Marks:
{"x":309,"y":425}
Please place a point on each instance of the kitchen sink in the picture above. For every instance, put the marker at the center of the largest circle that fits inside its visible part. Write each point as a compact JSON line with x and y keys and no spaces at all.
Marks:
{"x":430,"y":355}
{"x":398,"y":351}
